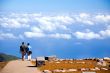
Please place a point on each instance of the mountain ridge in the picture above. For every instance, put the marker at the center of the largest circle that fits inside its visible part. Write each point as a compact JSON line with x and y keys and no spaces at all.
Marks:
{"x":6,"y":57}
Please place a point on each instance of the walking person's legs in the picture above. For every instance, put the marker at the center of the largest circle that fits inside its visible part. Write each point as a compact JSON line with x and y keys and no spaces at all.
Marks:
{"x":29,"y":57}
{"x":22,"y":56}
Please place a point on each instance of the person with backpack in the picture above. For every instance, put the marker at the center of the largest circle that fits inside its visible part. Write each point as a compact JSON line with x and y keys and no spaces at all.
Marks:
{"x":29,"y":52}
{"x":23,"y":50}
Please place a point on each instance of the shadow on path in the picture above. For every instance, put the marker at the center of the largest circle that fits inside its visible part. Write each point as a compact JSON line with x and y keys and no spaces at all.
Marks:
{"x":31,"y":66}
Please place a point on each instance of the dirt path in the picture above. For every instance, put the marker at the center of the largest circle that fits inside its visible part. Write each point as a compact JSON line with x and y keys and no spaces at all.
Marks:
{"x":19,"y":66}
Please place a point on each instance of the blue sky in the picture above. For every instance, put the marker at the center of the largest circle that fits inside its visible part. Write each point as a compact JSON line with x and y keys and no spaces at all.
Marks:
{"x":55,"y":5}
{"x":65,"y":28}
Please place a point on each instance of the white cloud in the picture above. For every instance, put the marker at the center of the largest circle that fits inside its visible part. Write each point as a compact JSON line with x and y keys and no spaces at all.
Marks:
{"x":102,"y":18}
{"x":102,"y":34}
{"x":45,"y":22}
{"x":13,"y":22}
{"x":42,"y":35}
{"x":34,"y":34}
{"x":84,"y":15}
{"x":36,"y":29}
{"x":46,"y":25}
{"x":105,"y":33}
{"x":52,"y":26}
{"x":60,"y":36}
{"x":7,"y":36}
{"x":87,"y":35}
{"x":51,"y":22}
{"x":38,"y":33}
{"x":64,"y":19}
{"x":84,"y":18}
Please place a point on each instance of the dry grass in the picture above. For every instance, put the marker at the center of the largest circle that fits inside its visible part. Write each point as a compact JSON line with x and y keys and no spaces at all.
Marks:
{"x":2,"y":64}
{"x":67,"y":64}
{"x":69,"y":72}
{"x":88,"y":71}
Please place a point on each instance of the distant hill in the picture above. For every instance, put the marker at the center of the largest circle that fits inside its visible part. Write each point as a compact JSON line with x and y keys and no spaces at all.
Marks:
{"x":5,"y":57}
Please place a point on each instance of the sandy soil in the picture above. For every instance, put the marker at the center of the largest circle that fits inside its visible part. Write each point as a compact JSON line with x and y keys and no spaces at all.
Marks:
{"x":19,"y":66}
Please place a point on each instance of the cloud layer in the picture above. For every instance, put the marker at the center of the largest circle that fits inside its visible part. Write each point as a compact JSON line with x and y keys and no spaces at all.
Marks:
{"x":62,"y":26}
{"x":7,"y":36}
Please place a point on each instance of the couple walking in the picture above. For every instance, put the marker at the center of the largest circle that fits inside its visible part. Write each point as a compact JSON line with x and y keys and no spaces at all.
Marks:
{"x":25,"y":49}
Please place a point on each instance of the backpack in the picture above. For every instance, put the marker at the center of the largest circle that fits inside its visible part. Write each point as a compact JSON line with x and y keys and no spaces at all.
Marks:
{"x":30,"y":52}
{"x":27,"y":49}
{"x":22,"y":48}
